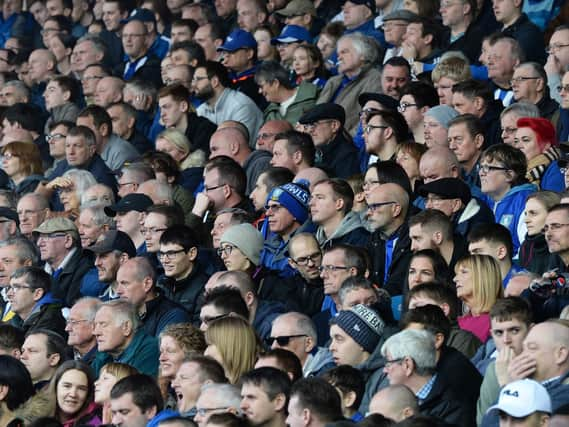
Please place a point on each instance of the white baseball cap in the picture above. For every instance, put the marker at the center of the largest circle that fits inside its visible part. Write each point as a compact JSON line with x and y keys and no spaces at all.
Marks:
{"x":522,"y":398}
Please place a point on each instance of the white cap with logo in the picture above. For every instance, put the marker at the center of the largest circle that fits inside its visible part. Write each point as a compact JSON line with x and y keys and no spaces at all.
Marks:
{"x":522,"y":398}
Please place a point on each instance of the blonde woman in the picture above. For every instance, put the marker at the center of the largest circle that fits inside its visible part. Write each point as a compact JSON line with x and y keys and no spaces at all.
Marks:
{"x":177,"y":145}
{"x":109,"y":375}
{"x":478,"y":284}
{"x":234,"y":344}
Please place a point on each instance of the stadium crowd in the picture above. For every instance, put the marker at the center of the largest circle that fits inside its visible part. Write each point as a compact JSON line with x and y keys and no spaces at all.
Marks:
{"x":250,"y":213}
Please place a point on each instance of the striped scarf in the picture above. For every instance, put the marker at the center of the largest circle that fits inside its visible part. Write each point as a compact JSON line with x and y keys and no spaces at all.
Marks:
{"x":539,"y":164}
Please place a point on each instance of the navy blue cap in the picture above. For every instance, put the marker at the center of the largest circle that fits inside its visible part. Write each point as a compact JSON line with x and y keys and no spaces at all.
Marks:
{"x":130,"y":202}
{"x":114,"y":240}
{"x":238,"y":39}
{"x":140,"y":14}
{"x":369,"y":3}
{"x":293,"y":34}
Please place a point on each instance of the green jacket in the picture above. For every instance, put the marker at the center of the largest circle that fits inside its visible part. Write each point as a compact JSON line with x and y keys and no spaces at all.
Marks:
{"x":304,"y":100}
{"x":142,"y":353}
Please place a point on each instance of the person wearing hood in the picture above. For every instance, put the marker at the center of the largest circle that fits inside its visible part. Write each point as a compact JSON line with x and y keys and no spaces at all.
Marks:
{"x":331,"y":209}
{"x":356,"y":337}
{"x":31,"y":300}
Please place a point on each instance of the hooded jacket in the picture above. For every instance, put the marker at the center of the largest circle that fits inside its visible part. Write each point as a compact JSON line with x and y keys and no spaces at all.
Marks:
{"x":375,"y":378}
{"x":318,"y":362}
{"x":305,"y":99}
{"x":350,"y":231}
{"x":509,"y":211}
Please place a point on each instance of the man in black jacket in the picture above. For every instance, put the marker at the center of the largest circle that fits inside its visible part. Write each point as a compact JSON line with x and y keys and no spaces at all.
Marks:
{"x":136,"y":283}
{"x":411,"y":360}
{"x":60,"y":248}
{"x":335,"y":150}
{"x":390,"y":246}
{"x":32,"y":302}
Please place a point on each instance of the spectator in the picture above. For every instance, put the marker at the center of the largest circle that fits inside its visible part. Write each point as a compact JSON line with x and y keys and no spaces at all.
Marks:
{"x":331,"y":209}
{"x":11,"y":340}
{"x":428,"y":265}
{"x":466,"y":139}
{"x":308,"y":65}
{"x":357,"y":53}
{"x":119,"y":338}
{"x":123,"y":117}
{"x":293,"y":150}
{"x":60,"y":248}
{"x":450,"y":70}
{"x":504,"y":55}
{"x":291,"y":37}
{"x":395,"y":76}
{"x":265,"y":50}
{"x":316,"y":398}
{"x":109,"y":375}
{"x":31,"y":300}
{"x":509,"y":119}
{"x":297,"y":333}
{"x":383,"y":132}
{"x":287,"y":102}
{"x":556,"y":239}
{"x":135,"y":400}
{"x":92,"y":223}
{"x":349,"y":382}
{"x":389,"y":245}
{"x":394,"y":25}
{"x":283,"y":360}
{"x":129,"y":213}
{"x":410,"y":360}
{"x":201,"y":369}
{"x":19,"y":386}
{"x":251,"y":14}
{"x":436,"y":124}
{"x":267,"y":133}
{"x":108,"y":91}
{"x":79,"y":327}
{"x":557,"y":60}
{"x":136,"y":283}
{"x":233,"y":343}
{"x":416,"y":99}
{"x":529,"y":84}
{"x":264,"y":396}
{"x":534,"y":254}
{"x":22,"y":163}
{"x":478,"y":285}
{"x":396,"y":402}
{"x":224,"y":397}
{"x":42,"y":352}
{"x":502,"y":177}
{"x":536,"y":138}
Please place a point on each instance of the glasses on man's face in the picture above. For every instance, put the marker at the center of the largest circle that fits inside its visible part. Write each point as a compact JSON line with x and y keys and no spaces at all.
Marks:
{"x":169,"y":255}
{"x":215,"y":187}
{"x":564,"y":88}
{"x":518,"y":80}
{"x":332,"y":268}
{"x":404,"y":105}
{"x":375,"y":206}
{"x":265,"y":136}
{"x":53,"y":136}
{"x":390,"y":363}
{"x":490,"y":168}
{"x":368,"y":128}
{"x":366,"y":112}
{"x":553,"y":227}
{"x":555,"y":47}
{"x":74,"y":323}
{"x":227,"y":249}
{"x":16,"y":288}
{"x":304,"y":260}
{"x":283,"y":340}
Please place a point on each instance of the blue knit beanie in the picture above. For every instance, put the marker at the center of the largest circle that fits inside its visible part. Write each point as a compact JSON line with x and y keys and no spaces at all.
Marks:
{"x":295,"y":197}
{"x":362,"y":324}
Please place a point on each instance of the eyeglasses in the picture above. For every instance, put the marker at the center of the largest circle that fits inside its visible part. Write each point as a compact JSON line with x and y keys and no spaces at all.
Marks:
{"x":490,"y":168}
{"x":227,"y":249}
{"x":388,"y":363}
{"x":74,"y":323}
{"x":554,"y":47}
{"x":16,"y":288}
{"x":203,"y":411}
{"x":564,"y":88}
{"x":509,"y":131}
{"x":51,"y":136}
{"x":51,"y":236}
{"x":554,"y":227}
{"x":375,"y":206}
{"x":274,"y":208}
{"x":332,"y":268}
{"x":304,"y":260}
{"x":265,"y":135}
{"x":170,"y":255}
{"x":518,"y":80}
{"x":404,"y":105}
{"x":369,"y":128}
{"x":283,"y":340}
{"x":215,"y":187}
{"x":151,"y":230}
{"x":366,"y":112}
{"x":8,"y":156}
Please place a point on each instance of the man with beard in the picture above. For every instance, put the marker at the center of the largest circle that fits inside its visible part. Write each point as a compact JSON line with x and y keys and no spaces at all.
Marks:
{"x":211,"y":84}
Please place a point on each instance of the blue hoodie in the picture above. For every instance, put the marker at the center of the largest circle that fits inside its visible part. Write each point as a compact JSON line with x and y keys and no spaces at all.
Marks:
{"x":508,"y":211}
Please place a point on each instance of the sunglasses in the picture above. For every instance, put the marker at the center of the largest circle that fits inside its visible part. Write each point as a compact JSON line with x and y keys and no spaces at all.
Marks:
{"x":283,"y":340}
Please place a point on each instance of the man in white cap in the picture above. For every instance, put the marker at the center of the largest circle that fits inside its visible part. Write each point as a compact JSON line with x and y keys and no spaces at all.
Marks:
{"x":523,"y":403}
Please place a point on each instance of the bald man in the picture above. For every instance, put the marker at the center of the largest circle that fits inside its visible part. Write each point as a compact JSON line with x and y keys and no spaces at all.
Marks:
{"x":108,"y":91}
{"x":545,"y":359}
{"x":42,"y":66}
{"x":312,"y":175}
{"x":396,"y":402}
{"x":389,"y":246}
{"x":232,"y":142}
{"x":267,"y":133}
